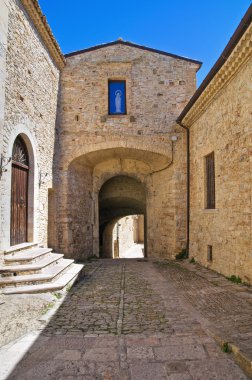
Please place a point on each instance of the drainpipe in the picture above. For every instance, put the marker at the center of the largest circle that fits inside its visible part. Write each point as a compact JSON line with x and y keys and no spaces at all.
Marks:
{"x":168,"y":165}
{"x":188,"y":184}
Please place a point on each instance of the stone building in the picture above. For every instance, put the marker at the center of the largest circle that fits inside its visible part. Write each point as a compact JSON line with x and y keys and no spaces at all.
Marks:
{"x":30,"y":65}
{"x":95,"y":136}
{"x":121,"y":164}
{"x":220,"y":126}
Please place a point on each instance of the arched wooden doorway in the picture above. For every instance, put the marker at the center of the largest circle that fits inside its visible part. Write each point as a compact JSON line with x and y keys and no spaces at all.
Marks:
{"x":19,"y":192}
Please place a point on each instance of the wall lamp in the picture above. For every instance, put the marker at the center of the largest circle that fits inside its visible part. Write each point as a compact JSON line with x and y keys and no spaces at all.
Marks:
{"x":4,"y":162}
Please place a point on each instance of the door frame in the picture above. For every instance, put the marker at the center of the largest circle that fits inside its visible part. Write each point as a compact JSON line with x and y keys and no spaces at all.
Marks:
{"x":33,"y":188}
{"x":25,"y":168}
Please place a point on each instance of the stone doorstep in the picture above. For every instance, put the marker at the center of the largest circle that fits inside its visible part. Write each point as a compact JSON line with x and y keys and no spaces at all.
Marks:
{"x":40,"y":265}
{"x":69,"y":276}
{"x":49,"y":274}
{"x":20,"y":247}
{"x":26,"y":255}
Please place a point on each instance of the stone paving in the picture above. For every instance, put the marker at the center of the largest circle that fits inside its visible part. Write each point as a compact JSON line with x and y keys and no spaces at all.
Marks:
{"x":126,"y":320}
{"x":94,"y":304}
{"x":226,"y":307}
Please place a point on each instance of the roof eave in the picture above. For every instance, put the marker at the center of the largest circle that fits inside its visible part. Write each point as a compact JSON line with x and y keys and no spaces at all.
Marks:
{"x":237,"y":35}
{"x":35,"y":13}
{"x":130,"y":44}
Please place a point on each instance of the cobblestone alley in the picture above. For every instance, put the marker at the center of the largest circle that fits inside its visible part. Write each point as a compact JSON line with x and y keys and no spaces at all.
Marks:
{"x":140,"y":320}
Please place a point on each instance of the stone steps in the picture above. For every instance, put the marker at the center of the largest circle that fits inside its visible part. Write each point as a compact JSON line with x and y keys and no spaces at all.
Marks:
{"x":49,"y":274}
{"x":26,"y":256}
{"x":28,"y":268}
{"x":20,"y":247}
{"x":31,"y":268}
{"x":67,"y":278}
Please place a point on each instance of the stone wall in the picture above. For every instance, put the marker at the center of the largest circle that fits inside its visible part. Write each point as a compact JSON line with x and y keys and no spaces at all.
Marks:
{"x":126,"y":233}
{"x":137,"y":144}
{"x":31,"y":90}
{"x":107,"y":248}
{"x":139,"y":229}
{"x":4,"y":16}
{"x":225,"y":129}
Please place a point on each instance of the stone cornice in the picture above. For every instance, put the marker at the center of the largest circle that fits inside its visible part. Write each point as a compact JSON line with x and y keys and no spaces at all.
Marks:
{"x":33,"y":9}
{"x":239,"y":56}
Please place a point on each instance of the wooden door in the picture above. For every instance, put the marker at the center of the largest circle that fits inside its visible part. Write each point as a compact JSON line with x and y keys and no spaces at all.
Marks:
{"x":19,"y":193}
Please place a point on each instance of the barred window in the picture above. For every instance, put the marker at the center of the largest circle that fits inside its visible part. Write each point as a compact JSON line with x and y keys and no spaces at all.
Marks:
{"x":210,"y":181}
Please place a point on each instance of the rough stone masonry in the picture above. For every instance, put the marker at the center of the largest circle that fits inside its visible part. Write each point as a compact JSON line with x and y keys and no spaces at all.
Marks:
{"x":94,"y":146}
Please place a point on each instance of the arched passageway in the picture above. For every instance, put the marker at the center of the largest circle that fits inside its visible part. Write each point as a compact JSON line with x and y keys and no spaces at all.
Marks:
{"x":98,"y":188}
{"x":119,"y":197}
{"x":123,"y":238}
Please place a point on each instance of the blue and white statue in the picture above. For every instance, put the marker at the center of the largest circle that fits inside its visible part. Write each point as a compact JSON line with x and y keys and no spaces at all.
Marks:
{"x":118,"y":101}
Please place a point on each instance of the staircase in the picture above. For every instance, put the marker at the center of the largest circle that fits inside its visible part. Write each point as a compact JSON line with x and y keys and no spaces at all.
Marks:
{"x":29,"y":268}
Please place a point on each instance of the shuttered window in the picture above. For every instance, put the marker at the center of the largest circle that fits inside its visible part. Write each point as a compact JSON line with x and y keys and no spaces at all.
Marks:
{"x":210,"y":181}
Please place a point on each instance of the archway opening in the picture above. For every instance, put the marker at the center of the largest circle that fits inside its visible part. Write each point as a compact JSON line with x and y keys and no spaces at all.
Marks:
{"x":122,"y":214}
{"x":128,"y":237}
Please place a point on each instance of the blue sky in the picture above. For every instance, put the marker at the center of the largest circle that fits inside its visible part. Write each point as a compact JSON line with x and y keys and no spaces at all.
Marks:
{"x":195,"y":29}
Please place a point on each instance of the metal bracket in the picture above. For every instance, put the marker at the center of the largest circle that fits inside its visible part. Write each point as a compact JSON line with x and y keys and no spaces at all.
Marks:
{"x":3,"y":163}
{"x":42,"y":178}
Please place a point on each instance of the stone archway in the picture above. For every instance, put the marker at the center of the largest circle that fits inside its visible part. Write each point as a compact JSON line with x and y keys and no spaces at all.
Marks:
{"x":128,"y":243}
{"x":120,"y":196}
{"x":77,"y":203}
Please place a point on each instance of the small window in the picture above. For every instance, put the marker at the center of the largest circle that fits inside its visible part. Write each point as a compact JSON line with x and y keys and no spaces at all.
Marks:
{"x":209,"y":253}
{"x":117,"y":97}
{"x":210,"y":181}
